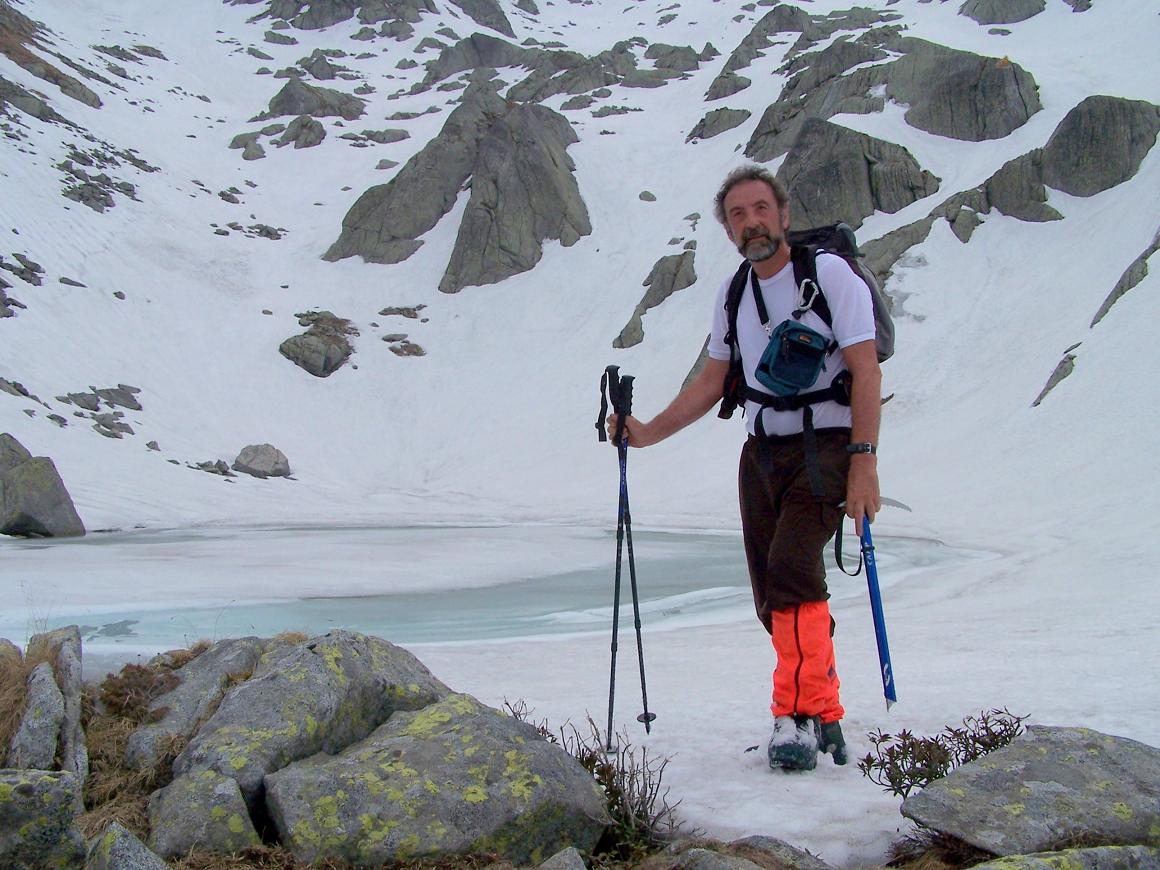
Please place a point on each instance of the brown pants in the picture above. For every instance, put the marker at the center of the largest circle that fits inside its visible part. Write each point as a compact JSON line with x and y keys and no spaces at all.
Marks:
{"x":785,"y":527}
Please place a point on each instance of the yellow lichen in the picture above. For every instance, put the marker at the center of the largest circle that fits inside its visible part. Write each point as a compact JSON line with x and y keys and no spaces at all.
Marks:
{"x":236,"y":824}
{"x":1122,"y":811}
{"x":475,"y":794}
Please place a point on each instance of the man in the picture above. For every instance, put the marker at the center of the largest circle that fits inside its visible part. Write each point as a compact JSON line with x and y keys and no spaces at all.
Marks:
{"x":788,"y":510}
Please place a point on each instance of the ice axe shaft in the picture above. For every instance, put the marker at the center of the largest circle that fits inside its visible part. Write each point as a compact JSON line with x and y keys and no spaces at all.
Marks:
{"x":876,"y":611}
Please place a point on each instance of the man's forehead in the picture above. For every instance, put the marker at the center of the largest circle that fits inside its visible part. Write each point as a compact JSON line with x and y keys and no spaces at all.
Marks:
{"x":751,"y":190}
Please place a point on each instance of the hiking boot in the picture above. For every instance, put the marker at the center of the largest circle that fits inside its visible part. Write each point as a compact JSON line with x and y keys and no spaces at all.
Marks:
{"x":831,"y":741}
{"x":794,"y":743}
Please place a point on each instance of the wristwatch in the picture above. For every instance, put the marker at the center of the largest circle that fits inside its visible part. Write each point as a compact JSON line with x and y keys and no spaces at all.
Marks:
{"x":861,"y":447}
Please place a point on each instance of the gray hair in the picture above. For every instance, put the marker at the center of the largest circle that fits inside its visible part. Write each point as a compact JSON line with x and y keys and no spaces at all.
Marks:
{"x":752,"y":172}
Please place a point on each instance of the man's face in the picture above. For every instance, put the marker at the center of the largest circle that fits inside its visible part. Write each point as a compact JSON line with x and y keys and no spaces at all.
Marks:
{"x":753,"y":220}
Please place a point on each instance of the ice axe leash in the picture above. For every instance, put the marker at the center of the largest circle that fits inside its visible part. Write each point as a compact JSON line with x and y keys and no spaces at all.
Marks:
{"x":617,"y":391}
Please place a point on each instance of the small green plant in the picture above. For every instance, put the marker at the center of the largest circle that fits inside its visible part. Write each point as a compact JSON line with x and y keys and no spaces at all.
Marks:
{"x":642,"y":817}
{"x":902,"y":762}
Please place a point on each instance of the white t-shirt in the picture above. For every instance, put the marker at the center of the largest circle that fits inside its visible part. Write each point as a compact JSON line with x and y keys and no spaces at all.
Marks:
{"x":853,"y":314}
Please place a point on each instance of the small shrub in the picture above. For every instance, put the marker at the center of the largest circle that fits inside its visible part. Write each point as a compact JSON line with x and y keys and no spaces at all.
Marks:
{"x":901,"y":763}
{"x":128,"y":694}
{"x":642,"y":818}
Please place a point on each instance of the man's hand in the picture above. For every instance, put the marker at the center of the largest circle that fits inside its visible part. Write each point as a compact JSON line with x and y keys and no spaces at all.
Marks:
{"x":862,"y":496}
{"x":636,"y":431}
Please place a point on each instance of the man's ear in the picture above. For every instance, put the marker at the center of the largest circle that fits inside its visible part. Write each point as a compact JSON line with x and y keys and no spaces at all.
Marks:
{"x":785,"y":218}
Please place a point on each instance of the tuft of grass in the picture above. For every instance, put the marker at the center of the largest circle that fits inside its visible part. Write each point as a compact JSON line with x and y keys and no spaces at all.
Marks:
{"x":643,"y":820}
{"x":926,"y":849}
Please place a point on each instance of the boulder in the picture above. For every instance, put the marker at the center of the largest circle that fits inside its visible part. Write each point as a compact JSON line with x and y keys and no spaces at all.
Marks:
{"x":1048,"y":788}
{"x":1001,"y":11}
{"x":204,"y":811}
{"x":34,"y":744}
{"x":486,"y":13}
{"x":62,"y":649}
{"x":262,"y":460}
{"x":117,"y":848}
{"x":175,"y":716}
{"x":455,"y":778}
{"x":717,"y":122}
{"x":303,"y":132}
{"x":37,"y":819}
{"x":1017,"y":189}
{"x":669,"y":274}
{"x":299,"y":98}
{"x":33,"y":500}
{"x":324,"y":694}
{"x":324,"y":347}
{"x":1098,"y":858}
{"x":836,"y":174}
{"x":681,"y":58}
{"x":523,"y":192}
{"x":1100,"y":143}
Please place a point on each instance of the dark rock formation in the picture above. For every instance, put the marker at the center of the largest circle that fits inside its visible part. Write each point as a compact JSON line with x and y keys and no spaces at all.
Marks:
{"x":324,"y":347}
{"x":299,"y":98}
{"x":33,"y":498}
{"x":717,"y":122}
{"x":1001,"y":11}
{"x":302,"y":132}
{"x":834,"y":173}
{"x":1100,"y":143}
{"x":262,"y":461}
{"x":486,"y":13}
{"x":522,"y":192}
{"x":62,"y":649}
{"x":669,"y":274}
{"x":1133,"y":275}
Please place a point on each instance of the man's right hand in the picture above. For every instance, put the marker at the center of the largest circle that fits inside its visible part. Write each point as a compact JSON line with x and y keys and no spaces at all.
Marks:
{"x":634,"y":430}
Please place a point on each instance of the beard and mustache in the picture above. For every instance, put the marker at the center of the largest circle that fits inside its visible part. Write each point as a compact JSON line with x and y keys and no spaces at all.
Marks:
{"x":757,"y":245}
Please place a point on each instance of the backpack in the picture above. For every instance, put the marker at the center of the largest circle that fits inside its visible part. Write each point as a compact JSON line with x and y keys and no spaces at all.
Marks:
{"x":805,"y":245}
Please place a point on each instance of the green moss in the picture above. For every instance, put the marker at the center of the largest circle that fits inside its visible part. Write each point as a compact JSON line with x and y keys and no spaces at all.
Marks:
{"x":217,"y":813}
{"x":236,"y":824}
{"x":1015,"y":809}
{"x":475,"y":794}
{"x":1122,"y":811}
{"x":5,"y":792}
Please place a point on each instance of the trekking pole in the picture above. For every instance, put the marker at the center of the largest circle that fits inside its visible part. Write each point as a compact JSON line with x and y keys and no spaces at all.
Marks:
{"x":876,"y":611}
{"x":618,"y":390}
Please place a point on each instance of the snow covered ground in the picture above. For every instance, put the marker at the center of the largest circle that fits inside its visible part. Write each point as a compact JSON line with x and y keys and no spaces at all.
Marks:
{"x":1047,"y":605}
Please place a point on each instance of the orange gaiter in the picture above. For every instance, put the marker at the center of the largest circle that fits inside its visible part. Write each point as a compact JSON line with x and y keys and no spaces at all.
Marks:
{"x":805,"y":679}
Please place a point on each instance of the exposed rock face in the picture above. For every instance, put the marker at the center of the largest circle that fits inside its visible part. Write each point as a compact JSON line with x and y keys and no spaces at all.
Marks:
{"x":37,"y":819}
{"x":33,"y":499}
{"x":522,"y":192}
{"x":322,"y":696}
{"x":495,"y":786}
{"x":262,"y":460}
{"x":1098,"y":858}
{"x":62,"y":648}
{"x":1001,"y":11}
{"x":34,"y":744}
{"x":669,"y":274}
{"x":947,"y":92}
{"x":203,"y":683}
{"x":486,"y":13}
{"x":717,"y":122}
{"x":1133,"y":275}
{"x":834,"y":173}
{"x":203,"y":811}
{"x":117,"y":848}
{"x":782,"y":18}
{"x":1100,"y":143}
{"x":299,"y":98}
{"x":303,"y":132}
{"x":1048,"y":787}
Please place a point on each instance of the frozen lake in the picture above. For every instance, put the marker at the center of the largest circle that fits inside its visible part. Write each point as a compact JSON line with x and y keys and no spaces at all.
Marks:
{"x":144,"y":591}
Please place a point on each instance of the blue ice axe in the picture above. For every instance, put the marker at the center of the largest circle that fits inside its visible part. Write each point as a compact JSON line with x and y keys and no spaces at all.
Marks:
{"x":876,"y":611}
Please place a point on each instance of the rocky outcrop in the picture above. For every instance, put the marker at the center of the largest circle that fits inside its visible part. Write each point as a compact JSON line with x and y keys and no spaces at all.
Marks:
{"x":522,"y":192}
{"x":1133,"y":275}
{"x":493,"y":785}
{"x":947,"y":92}
{"x":117,"y":848}
{"x":781,"y":19}
{"x":325,"y":346}
{"x":717,"y":122}
{"x":62,"y":649}
{"x":1100,"y":143}
{"x":1048,"y":788}
{"x":1001,"y":11}
{"x":835,"y":174}
{"x":38,"y":811}
{"x":319,"y":696}
{"x":302,"y":132}
{"x":33,"y":500}
{"x":298,"y":98}
{"x":486,"y":13}
{"x":262,"y":460}
{"x":669,"y":274}
{"x":203,"y":811}
{"x":36,"y":739}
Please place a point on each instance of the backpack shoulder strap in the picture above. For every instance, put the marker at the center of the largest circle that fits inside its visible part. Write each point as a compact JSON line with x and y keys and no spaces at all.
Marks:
{"x":805,"y":268}
{"x":733,"y":302}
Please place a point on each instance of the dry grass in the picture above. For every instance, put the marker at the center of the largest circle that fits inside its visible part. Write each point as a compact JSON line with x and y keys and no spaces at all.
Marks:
{"x":14,"y":674}
{"x":278,"y":858}
{"x":926,"y":849}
